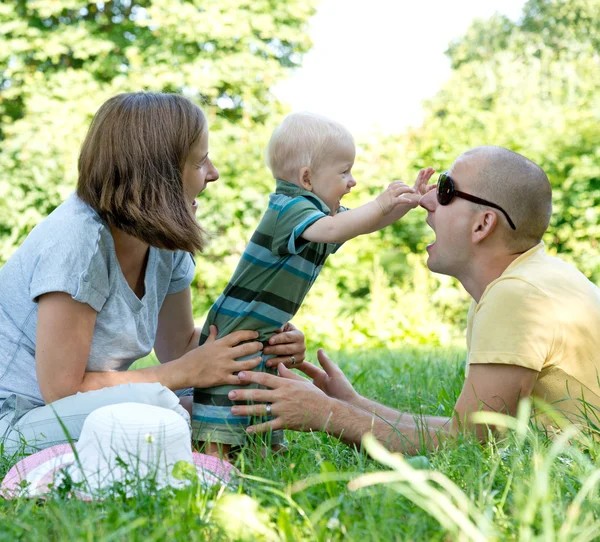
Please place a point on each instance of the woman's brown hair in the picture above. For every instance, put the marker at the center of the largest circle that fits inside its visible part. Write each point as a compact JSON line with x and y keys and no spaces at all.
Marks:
{"x":131,"y":163}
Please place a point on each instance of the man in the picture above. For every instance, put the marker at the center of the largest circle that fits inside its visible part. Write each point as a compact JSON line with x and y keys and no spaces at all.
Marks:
{"x":533,"y":327}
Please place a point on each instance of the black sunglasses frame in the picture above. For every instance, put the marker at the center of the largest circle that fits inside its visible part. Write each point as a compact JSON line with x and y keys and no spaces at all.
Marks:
{"x":445,"y":197}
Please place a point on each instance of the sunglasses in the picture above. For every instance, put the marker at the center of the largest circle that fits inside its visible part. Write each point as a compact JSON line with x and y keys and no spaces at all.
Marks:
{"x":446,"y":192}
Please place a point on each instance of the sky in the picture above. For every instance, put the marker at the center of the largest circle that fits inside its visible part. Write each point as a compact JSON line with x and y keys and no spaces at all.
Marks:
{"x":373,"y":62}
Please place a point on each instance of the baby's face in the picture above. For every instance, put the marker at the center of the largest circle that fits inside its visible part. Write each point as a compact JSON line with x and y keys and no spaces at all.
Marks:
{"x":333,"y":179}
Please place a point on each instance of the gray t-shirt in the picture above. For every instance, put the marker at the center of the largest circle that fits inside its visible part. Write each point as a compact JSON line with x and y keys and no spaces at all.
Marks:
{"x":72,"y":251}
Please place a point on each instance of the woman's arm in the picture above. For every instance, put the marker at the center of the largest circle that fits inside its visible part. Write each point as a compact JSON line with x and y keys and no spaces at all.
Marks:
{"x":65,"y":329}
{"x":176,"y":333}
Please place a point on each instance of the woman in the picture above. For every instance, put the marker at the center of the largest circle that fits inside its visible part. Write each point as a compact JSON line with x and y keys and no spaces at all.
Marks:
{"x":106,"y":278}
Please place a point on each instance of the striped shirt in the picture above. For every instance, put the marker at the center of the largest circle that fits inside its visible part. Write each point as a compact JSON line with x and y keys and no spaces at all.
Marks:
{"x":276,"y":270}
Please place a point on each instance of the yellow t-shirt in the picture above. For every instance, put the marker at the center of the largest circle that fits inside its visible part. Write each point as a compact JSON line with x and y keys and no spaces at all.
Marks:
{"x":543,"y":314}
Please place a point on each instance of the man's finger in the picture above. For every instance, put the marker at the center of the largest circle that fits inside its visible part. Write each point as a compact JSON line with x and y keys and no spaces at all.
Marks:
{"x":253,"y":395}
{"x":264,"y":379}
{"x":250,"y":410}
{"x":286,"y":373}
{"x":312,"y":371}
{"x":330,"y":367}
{"x":272,"y":425}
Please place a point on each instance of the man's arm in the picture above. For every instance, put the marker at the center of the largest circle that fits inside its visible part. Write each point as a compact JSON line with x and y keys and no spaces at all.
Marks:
{"x":301,"y":405}
{"x":493,"y":388}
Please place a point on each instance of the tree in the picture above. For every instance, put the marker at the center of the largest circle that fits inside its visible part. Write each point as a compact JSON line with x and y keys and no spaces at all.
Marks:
{"x":61,"y":59}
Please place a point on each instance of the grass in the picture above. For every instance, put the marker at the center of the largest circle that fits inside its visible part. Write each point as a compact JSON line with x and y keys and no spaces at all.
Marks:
{"x":518,"y":487}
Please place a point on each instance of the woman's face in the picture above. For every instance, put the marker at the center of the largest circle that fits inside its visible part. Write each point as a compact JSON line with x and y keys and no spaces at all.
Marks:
{"x":198,"y":170}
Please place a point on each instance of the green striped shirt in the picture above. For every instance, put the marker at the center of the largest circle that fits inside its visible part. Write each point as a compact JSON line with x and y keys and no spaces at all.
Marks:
{"x":276,"y":270}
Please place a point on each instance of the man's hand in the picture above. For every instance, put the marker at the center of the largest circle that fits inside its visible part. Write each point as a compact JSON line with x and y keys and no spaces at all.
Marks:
{"x":296,"y":403}
{"x":330,"y":379}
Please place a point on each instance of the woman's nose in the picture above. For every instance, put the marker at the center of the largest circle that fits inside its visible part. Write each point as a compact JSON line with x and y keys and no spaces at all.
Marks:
{"x":213,"y":174}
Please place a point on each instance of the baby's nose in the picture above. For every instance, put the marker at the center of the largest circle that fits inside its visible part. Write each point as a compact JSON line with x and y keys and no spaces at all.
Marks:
{"x":352,"y":182}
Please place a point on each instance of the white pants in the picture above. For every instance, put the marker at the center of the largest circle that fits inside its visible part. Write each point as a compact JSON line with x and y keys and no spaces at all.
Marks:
{"x":27,"y":428}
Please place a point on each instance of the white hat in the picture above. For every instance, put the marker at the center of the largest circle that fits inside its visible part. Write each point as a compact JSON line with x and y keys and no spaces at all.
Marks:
{"x":122,"y":443}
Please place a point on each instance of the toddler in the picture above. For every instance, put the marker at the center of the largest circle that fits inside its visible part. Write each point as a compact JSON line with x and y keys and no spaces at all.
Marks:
{"x":311,"y":158}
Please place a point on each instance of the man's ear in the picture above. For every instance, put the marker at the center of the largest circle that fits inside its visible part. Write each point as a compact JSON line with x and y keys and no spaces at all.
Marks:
{"x":484,"y":226}
{"x":304,"y":179}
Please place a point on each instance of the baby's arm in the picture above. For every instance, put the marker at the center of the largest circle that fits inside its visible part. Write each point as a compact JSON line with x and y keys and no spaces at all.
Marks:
{"x":389,"y":206}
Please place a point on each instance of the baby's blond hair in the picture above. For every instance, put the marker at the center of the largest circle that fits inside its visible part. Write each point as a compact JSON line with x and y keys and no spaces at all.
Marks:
{"x":303,"y":140}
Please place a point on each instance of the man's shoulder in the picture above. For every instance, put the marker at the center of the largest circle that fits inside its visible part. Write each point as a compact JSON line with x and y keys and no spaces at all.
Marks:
{"x":549,"y":274}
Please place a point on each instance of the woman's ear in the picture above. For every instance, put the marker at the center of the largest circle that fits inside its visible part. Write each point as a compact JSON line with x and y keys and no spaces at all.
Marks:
{"x":484,"y":226}
{"x":304,"y":179}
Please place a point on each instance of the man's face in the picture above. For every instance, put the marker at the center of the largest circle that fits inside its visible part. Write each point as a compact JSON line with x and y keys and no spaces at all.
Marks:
{"x":451,"y":252}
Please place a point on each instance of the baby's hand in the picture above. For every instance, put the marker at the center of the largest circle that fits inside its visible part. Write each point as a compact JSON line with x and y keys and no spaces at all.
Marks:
{"x":423,"y":177}
{"x":396,"y":193}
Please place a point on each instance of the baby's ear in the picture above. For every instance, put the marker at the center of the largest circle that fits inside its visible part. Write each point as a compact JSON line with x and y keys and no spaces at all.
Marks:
{"x":304,"y":179}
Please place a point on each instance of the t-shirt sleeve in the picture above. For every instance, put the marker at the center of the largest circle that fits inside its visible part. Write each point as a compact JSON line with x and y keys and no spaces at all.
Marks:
{"x":75,"y":265}
{"x":295,"y":216}
{"x":184,"y":267}
{"x":514,"y":324}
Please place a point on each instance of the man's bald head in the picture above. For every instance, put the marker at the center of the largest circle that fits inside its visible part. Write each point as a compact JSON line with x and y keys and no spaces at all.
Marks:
{"x":516,"y":184}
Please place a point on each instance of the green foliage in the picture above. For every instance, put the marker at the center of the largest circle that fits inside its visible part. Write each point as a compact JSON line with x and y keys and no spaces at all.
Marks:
{"x":61,"y":59}
{"x":533,"y":87}
{"x":529,"y":85}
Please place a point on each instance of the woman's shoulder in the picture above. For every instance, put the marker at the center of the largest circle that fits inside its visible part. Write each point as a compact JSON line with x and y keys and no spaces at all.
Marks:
{"x":70,"y":240}
{"x":73,"y":224}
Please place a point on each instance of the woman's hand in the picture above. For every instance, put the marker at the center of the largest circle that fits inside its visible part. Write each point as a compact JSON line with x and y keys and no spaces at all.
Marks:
{"x":330,"y":379}
{"x":213,"y":363}
{"x":288,"y":345}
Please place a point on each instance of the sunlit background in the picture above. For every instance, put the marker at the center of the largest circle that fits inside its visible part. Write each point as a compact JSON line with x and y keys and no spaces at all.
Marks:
{"x":373,"y":63}
{"x":417,"y":83}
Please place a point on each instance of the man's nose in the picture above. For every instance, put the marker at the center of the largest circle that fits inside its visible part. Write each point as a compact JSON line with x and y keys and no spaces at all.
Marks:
{"x":429,"y":200}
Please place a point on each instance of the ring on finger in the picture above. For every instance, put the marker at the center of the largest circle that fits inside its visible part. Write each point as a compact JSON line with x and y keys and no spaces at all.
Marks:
{"x":268,"y":409}
{"x":293,"y":360}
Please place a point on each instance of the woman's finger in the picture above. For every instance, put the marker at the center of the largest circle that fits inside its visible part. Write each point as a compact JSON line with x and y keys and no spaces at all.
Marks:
{"x":247,"y":364}
{"x":212,"y":336}
{"x":239,"y":337}
{"x":284,"y":337}
{"x":283,"y":349}
{"x":246,"y":349}
{"x":289,"y":361}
